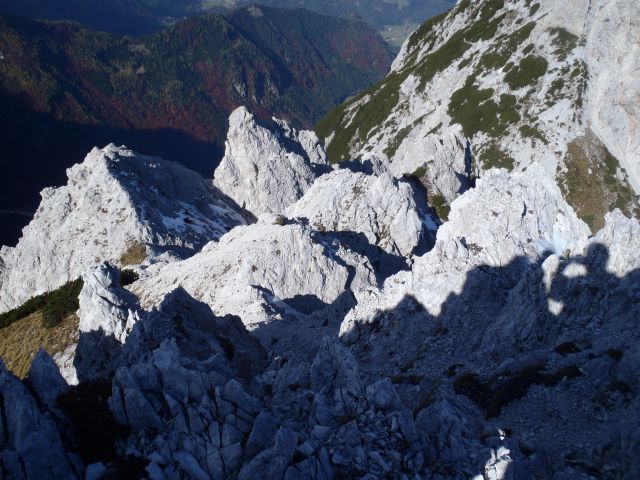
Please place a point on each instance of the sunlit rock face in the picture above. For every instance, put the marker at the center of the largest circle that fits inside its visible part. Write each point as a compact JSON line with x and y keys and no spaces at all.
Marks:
{"x":267,"y":167}
{"x":113,"y":201}
{"x":509,"y":84}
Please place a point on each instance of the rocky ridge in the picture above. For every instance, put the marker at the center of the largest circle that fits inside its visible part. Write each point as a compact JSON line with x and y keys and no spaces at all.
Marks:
{"x":508,"y":84}
{"x":348,"y":333}
{"x":241,"y":361}
{"x":114,"y":201}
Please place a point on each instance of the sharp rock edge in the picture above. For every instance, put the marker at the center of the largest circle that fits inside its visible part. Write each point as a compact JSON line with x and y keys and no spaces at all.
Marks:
{"x":112,"y":201}
{"x":507,"y":347}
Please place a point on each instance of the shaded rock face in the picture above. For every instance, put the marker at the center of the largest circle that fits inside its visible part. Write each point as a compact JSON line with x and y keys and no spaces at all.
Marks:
{"x":113,"y":201}
{"x":267,"y":167}
{"x":27,"y":431}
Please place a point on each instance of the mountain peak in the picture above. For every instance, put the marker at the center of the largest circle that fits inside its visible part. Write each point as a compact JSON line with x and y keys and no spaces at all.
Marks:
{"x":114,"y":201}
{"x":497,"y":84}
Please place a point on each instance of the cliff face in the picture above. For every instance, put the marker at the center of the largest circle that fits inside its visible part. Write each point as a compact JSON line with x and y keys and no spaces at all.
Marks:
{"x":508,"y":84}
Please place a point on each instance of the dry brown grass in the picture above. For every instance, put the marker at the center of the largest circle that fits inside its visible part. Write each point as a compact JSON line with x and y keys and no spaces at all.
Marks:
{"x":135,"y":254}
{"x":20,"y":341}
{"x":590,"y":184}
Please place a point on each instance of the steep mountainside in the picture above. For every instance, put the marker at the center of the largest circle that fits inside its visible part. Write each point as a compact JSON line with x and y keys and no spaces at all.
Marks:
{"x":505,"y":84}
{"x":352,"y":330}
{"x":64,"y":89}
{"x":136,"y":17}
{"x":334,"y":339}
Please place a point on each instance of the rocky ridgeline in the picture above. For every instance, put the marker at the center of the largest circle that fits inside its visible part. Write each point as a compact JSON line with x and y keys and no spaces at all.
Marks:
{"x":507,"y":84}
{"x":342,"y":337}
{"x":345,"y":331}
{"x":114,"y":201}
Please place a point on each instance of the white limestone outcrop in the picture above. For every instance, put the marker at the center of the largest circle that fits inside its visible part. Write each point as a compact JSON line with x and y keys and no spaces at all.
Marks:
{"x":273,"y":261}
{"x":506,"y":216}
{"x":378,"y":206}
{"x":588,"y":82}
{"x":105,"y":306}
{"x":267,"y":167}
{"x":112,"y":200}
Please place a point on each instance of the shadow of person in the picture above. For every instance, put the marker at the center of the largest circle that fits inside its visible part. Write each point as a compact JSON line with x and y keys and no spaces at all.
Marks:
{"x":581,"y":285}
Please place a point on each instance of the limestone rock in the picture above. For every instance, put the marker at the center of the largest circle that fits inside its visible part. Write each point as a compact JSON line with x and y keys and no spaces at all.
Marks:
{"x":267,"y":167}
{"x":505,"y":217}
{"x":268,"y":263}
{"x":113,"y":201}
{"x":31,"y":446}
{"x":378,"y":206}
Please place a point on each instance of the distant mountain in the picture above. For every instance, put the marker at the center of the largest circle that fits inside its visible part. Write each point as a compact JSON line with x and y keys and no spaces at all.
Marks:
{"x":396,"y":18}
{"x":65,"y":88}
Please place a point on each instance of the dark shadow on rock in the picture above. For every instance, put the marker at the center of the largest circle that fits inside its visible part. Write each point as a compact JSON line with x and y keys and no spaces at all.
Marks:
{"x":198,"y":333}
{"x":357,"y":166}
{"x":426,"y":213}
{"x":498,"y":338}
{"x":306,"y":304}
{"x":97,"y":355}
{"x":384,"y":264}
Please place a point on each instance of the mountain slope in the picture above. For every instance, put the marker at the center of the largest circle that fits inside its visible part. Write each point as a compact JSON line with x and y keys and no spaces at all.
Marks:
{"x":322,"y":341}
{"x":65,"y":88}
{"x":505,"y":84}
{"x":137,"y":17}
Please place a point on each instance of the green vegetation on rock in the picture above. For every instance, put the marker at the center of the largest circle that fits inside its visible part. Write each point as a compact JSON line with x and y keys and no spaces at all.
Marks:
{"x":530,"y":69}
{"x":349,"y":127}
{"x":533,"y":132}
{"x":54,"y":305}
{"x":564,"y":41}
{"x":435,"y":200}
{"x":493,"y":157}
{"x":476,"y":111}
{"x":505,"y":47}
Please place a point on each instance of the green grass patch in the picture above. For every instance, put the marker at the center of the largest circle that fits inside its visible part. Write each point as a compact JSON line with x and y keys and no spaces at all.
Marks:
{"x":505,"y":47}
{"x":564,"y":41}
{"x":54,"y":305}
{"x":532,"y":132}
{"x":352,"y":129}
{"x":530,"y":69}
{"x":591,"y":185}
{"x":493,"y":157}
{"x":441,"y":207}
{"x":20,"y":341}
{"x":426,"y":31}
{"x":476,"y":111}
{"x":436,"y":201}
